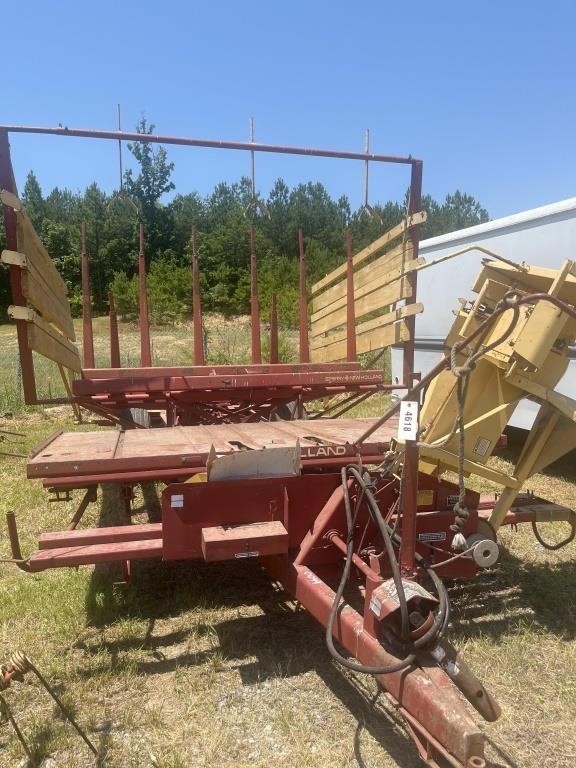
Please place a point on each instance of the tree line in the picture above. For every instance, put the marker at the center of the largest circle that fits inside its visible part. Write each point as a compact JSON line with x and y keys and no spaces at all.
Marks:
{"x":222,"y":220}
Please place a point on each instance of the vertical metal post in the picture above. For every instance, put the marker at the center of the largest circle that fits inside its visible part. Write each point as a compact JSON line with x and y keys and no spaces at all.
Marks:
{"x":197,"y":305}
{"x":254,"y":303}
{"x":145,"y":356}
{"x":303,"y":299}
{"x":410,"y":473}
{"x":26,"y":362}
{"x":87,"y":333}
{"x":414,"y":205}
{"x":114,"y":340}
{"x":273,"y":331}
{"x":350,"y":309}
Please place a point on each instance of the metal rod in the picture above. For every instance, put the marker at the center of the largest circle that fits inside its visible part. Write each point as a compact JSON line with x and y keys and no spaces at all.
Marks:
{"x":87,"y":332}
{"x":114,"y":338}
{"x":366,"y":164}
{"x":5,"y":709}
{"x":249,"y":146}
{"x":273,"y":331}
{"x":120,"y":152}
{"x":13,"y":535}
{"x":67,"y":713}
{"x":197,"y":305}
{"x":303,"y":301}
{"x":26,"y":361}
{"x":252,"y":160}
{"x":335,"y":538}
{"x":145,"y":356}
{"x":254,"y":303}
{"x":414,"y":206}
{"x":333,"y":503}
{"x":350,"y":309}
{"x":88,"y":497}
{"x":411,"y":455}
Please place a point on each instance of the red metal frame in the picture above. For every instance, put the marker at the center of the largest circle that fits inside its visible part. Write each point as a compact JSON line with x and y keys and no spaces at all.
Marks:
{"x":7,"y":182}
{"x":143,"y":314}
{"x":295,"y":523}
{"x":114,"y":339}
{"x":197,"y":305}
{"x":87,"y":335}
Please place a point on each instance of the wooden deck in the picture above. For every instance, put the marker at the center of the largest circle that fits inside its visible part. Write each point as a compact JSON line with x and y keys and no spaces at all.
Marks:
{"x":184,"y":450}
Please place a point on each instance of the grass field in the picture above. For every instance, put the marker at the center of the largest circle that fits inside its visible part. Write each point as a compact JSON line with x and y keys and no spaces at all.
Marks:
{"x":209,"y":665}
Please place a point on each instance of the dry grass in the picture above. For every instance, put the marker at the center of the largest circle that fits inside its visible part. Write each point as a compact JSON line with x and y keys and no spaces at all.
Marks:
{"x":208,"y":665}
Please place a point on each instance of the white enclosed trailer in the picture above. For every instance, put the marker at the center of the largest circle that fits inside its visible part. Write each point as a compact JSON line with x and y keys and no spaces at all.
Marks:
{"x":543,"y":236}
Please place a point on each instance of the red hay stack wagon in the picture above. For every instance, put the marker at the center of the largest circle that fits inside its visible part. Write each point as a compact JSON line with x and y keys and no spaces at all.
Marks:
{"x":352,"y":516}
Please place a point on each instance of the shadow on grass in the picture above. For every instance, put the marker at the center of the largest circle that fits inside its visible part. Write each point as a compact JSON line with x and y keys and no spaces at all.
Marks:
{"x":283,"y":642}
{"x":516,"y":594}
{"x":564,"y":467}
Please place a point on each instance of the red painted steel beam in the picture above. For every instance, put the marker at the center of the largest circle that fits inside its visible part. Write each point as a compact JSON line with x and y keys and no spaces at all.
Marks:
{"x":110,"y":535}
{"x":248,"y":146}
{"x":273,"y":331}
{"x":145,"y":356}
{"x":26,"y":361}
{"x":303,"y":302}
{"x":197,"y":305}
{"x":66,"y":557}
{"x":124,"y":475}
{"x":321,"y":523}
{"x":411,"y":455}
{"x":431,"y":700}
{"x":87,"y":334}
{"x":224,"y":370}
{"x":230,"y":383}
{"x":114,"y":339}
{"x":350,"y":307}
{"x":254,"y":302}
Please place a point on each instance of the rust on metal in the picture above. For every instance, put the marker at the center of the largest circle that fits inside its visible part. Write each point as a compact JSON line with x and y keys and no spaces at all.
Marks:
{"x":303,"y":302}
{"x":248,"y":146}
{"x":7,"y":182}
{"x":254,"y":302}
{"x":114,"y":338}
{"x":87,"y":333}
{"x":273,"y":331}
{"x":350,"y":309}
{"x":198,"y":330}
{"x":144,"y":318}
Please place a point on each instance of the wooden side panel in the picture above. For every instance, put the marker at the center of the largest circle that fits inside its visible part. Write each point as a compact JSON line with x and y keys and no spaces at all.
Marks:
{"x":380,"y":284}
{"x":371,"y":250}
{"x":46,"y":340}
{"x":30,"y":244}
{"x":383,"y":269}
{"x":42,"y":286}
{"x":376,"y":339}
{"x":370,"y":285}
{"x":377,"y":323}
{"x":47,"y":302}
{"x":380,"y":299}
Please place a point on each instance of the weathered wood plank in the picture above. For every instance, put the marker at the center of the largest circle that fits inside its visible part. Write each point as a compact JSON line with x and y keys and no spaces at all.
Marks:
{"x":48,"y":304}
{"x":10,"y":199}
{"x":368,"y":342}
{"x":371,"y":250}
{"x":378,"y":322}
{"x":374,"y":301}
{"x":14,"y":258}
{"x":46,"y":340}
{"x":33,"y":248}
{"x":376,"y":275}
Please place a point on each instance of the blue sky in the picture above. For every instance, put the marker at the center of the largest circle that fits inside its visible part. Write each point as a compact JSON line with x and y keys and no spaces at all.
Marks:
{"x":483,"y":92}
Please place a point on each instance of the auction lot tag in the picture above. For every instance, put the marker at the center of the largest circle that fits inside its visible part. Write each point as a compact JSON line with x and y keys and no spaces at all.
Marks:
{"x":408,"y":422}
